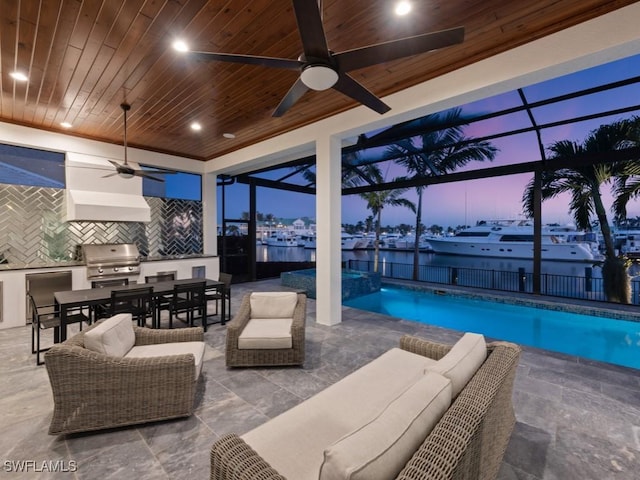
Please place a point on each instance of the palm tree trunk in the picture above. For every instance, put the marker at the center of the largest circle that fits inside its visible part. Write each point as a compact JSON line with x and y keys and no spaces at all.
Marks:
{"x":601,"y":213}
{"x":376,"y":244}
{"x":615,"y":278}
{"x":416,"y":247}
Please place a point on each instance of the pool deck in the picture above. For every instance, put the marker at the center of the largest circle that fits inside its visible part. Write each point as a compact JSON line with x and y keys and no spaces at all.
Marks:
{"x":576,"y":418}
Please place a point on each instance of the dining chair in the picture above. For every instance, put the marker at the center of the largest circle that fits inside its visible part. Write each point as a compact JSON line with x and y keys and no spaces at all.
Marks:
{"x":189,"y":299}
{"x":163,"y":302}
{"x":139,"y":302}
{"x":45,"y":317}
{"x":103,"y":311}
{"x":218,"y":295}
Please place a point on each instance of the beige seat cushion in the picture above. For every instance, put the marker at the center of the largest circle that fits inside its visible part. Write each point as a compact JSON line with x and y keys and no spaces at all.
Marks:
{"x":172,"y":348}
{"x":462,"y":361}
{"x":273,"y":304}
{"x":113,"y":336}
{"x":379,"y":450}
{"x":266,"y":333}
{"x":293,"y":443}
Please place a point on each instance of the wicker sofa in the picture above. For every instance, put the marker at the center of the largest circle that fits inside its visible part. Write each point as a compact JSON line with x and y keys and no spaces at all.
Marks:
{"x":467,"y":441}
{"x":93,"y":391}
{"x":236,"y":356}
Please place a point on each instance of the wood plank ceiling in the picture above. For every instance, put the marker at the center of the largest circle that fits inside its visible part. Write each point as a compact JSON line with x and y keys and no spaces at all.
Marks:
{"x":84,"y":58}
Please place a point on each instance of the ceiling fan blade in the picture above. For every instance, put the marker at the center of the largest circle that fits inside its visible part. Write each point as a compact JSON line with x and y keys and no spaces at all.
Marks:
{"x":293,"y":95}
{"x":357,"y":91}
{"x":404,"y":47}
{"x":114,"y":163}
{"x":140,"y":173}
{"x":250,"y":60}
{"x":110,"y":175}
{"x":309,"y":19}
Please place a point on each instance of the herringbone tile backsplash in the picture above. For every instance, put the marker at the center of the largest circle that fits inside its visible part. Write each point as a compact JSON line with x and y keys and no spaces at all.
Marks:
{"x":33,"y":232}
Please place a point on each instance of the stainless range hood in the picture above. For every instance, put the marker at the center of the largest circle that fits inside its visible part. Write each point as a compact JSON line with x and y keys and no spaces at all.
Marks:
{"x":93,"y":194}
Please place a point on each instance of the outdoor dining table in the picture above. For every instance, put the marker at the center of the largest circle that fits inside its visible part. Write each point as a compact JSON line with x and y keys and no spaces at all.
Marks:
{"x":74,"y":299}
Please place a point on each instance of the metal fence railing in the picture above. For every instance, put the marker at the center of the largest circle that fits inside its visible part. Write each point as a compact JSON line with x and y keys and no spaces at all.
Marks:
{"x":579,"y":287}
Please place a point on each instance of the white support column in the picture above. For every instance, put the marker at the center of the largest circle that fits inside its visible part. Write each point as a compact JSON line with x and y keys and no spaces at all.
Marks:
{"x":329,"y":221}
{"x":210,"y":213}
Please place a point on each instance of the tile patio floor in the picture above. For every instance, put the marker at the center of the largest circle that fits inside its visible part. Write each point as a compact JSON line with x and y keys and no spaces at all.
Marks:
{"x":576,"y":419}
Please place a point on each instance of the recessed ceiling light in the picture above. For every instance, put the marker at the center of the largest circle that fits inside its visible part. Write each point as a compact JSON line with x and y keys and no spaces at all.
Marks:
{"x":196,"y":127}
{"x":66,"y":125}
{"x":180,"y":46}
{"x":21,"y":77}
{"x":403,"y":8}
{"x":228,"y":135}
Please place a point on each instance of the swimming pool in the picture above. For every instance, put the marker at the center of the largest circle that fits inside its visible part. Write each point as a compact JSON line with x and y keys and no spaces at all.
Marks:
{"x":594,"y":337}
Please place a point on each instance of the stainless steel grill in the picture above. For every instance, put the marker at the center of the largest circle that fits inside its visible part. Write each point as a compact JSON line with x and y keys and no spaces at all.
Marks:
{"x":111,"y":259}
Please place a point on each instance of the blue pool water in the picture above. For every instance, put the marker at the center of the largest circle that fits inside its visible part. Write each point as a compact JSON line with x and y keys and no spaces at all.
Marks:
{"x":598,"y":338}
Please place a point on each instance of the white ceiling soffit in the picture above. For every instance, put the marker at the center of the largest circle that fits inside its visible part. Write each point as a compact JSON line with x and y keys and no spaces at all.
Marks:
{"x":94,"y":194}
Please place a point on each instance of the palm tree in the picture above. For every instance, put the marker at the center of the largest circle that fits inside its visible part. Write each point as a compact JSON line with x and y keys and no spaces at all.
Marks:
{"x":377,"y":200}
{"x":436,"y":152}
{"x":584,"y":182}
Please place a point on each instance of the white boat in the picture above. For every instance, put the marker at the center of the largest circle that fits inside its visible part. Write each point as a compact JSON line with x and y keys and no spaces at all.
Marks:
{"x":348,"y":241}
{"x":282,"y":239}
{"x":308,"y":240}
{"x":388,"y":240}
{"x":361,"y":242}
{"x":511,"y":239}
{"x":628,"y":242}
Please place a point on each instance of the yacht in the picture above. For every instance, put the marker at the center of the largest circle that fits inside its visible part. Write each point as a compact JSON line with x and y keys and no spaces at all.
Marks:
{"x":512,"y":239}
{"x":628,"y":243}
{"x":348,"y":241}
{"x":282,"y":239}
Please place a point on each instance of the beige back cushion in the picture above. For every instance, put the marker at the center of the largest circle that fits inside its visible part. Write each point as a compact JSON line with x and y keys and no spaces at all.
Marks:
{"x":380,"y":449}
{"x":462,"y":361}
{"x":273,"y":304}
{"x":113,"y":336}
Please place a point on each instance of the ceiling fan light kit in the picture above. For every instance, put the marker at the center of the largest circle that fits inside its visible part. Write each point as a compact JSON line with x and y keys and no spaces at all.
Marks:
{"x":319,"y":77}
{"x":321,"y":69}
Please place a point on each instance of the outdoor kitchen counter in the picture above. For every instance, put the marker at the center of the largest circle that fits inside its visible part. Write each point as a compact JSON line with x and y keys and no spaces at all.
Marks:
{"x":32,"y":266}
{"x":72,"y":263}
{"x":13,"y":291}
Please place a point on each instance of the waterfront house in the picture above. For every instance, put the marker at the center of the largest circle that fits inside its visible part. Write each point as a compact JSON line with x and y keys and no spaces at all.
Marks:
{"x":85,"y":76}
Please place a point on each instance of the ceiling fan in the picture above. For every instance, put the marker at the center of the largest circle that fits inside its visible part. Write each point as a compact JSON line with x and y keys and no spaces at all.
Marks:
{"x":321,"y":69}
{"x":125,"y":170}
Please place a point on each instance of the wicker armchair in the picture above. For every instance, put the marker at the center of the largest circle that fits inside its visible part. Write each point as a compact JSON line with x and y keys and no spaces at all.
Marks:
{"x":237,"y":357}
{"x":93,"y":391}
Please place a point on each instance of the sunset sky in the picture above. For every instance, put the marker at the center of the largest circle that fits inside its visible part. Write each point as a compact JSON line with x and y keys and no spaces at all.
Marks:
{"x":498,"y":198}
